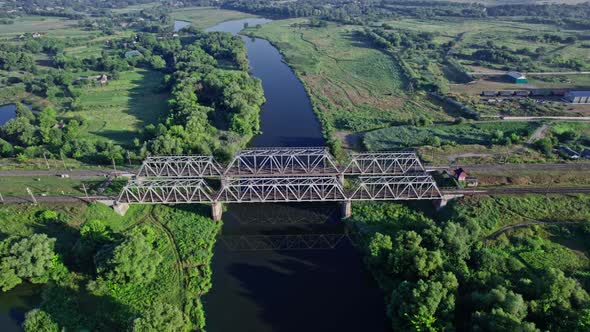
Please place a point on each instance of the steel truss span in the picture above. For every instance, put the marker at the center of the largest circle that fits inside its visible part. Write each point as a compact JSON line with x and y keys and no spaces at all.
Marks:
{"x":287,"y":189}
{"x":384,"y":163}
{"x":282,"y":161}
{"x":180,"y":167}
{"x":407,"y":187}
{"x":166,"y":191}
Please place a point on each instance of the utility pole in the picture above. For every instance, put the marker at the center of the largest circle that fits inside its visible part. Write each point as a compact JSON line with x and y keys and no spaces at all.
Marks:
{"x":85,"y":191}
{"x":63,"y":160}
{"x":32,"y":196}
{"x":114,"y":166}
{"x":46,"y":162}
{"x":128,"y":158}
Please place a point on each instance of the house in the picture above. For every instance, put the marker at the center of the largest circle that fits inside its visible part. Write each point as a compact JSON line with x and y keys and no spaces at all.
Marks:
{"x":506,"y":93}
{"x":523,"y":93}
{"x":460,"y":174}
{"x":585,"y":154}
{"x":102,"y":79}
{"x":567,"y":151}
{"x":516,"y":77}
{"x":489,"y":93}
{"x":577,"y":97}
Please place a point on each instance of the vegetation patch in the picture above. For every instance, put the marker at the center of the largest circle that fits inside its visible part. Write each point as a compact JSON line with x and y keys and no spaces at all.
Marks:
{"x":503,"y":133}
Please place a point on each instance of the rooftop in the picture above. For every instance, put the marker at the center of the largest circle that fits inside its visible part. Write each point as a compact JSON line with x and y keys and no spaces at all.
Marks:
{"x":515,"y":74}
{"x":579,"y":93}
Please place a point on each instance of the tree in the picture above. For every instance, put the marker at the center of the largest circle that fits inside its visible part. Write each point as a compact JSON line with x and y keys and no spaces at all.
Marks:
{"x":133,"y":261}
{"x":423,"y":306}
{"x":161,"y":317}
{"x":38,"y":320}
{"x":503,"y":310}
{"x":544,"y":145}
{"x":29,"y":258}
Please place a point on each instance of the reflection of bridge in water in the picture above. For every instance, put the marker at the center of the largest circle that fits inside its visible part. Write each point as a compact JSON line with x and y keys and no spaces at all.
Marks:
{"x":273,"y":175}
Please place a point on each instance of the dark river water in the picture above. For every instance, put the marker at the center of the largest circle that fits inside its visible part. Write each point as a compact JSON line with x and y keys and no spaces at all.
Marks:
{"x":258,"y":283}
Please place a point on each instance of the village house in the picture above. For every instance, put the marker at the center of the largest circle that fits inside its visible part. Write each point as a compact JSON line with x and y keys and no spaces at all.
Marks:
{"x":516,"y":77}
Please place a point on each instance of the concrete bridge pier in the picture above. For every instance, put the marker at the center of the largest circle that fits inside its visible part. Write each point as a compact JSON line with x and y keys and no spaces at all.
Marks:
{"x":216,"y":211}
{"x":346,"y":209}
{"x":120,"y":208}
{"x":439,"y":204}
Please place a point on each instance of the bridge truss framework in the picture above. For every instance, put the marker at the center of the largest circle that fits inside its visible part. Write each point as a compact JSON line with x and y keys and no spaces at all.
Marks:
{"x":266,"y":175}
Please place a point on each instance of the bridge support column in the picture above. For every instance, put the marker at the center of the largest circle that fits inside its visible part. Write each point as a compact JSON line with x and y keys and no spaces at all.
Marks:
{"x":439,"y":204}
{"x":216,"y":211}
{"x":341,"y":179}
{"x":120,"y":208}
{"x":346,"y":209}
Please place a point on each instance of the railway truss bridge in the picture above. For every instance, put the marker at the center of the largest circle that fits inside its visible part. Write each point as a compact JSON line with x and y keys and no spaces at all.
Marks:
{"x":277,"y":175}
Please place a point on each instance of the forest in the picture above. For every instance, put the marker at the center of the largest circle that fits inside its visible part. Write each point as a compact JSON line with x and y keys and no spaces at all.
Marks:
{"x":453,"y":272}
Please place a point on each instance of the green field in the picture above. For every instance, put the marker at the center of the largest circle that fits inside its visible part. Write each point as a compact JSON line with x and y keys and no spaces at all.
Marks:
{"x":465,"y":134}
{"x":204,"y":17}
{"x":41,"y":24}
{"x":472,"y":34}
{"x":355,"y":85}
{"x":120,"y":109}
{"x":47,"y":186}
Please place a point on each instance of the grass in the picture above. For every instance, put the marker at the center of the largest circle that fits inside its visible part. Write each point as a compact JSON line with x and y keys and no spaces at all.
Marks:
{"x":493,"y":213}
{"x":42,"y":24}
{"x":464,"y":134}
{"x":46,"y":185}
{"x":119,"y":110}
{"x":204,"y":17}
{"x":354,"y":85}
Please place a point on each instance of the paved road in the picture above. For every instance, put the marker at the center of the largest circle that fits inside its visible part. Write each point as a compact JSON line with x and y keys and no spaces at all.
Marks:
{"x":54,"y":199}
{"x":517,"y":191}
{"x":499,"y":72}
{"x":72,"y":173}
{"x":514,"y":167}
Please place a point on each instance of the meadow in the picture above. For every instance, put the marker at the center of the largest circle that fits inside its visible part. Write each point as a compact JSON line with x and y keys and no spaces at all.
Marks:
{"x":471,"y":34}
{"x":204,"y":17}
{"x":462,"y":134}
{"x":354,"y":85}
{"x":47,"y":186}
{"x":118,"y":110}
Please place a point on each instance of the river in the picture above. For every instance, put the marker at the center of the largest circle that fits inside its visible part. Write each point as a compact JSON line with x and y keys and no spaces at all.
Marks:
{"x":259,"y":285}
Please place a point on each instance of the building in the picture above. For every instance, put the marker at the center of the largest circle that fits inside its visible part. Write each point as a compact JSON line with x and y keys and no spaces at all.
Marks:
{"x":577,"y":97}
{"x":523,"y":93}
{"x":102,"y":79}
{"x":489,"y":93}
{"x":568,"y":152}
{"x":460,"y":174}
{"x":505,"y":93}
{"x":516,"y":77}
